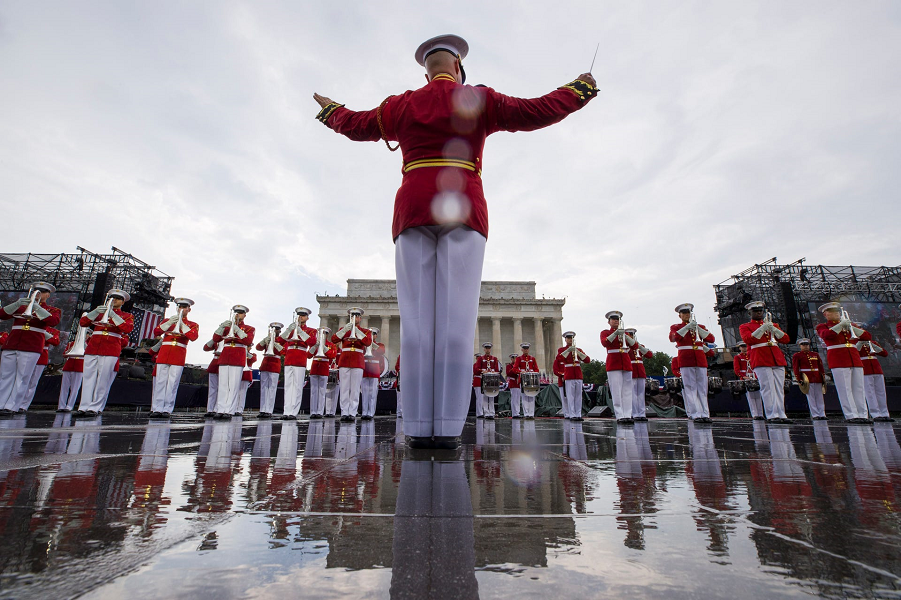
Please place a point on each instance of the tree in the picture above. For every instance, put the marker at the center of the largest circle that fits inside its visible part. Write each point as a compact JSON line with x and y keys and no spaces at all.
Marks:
{"x":655,"y":364}
{"x":595,"y":372}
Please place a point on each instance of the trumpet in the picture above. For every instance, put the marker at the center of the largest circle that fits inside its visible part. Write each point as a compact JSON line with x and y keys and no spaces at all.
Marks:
{"x":107,"y":312}
{"x":78,"y":346}
{"x":320,"y":351}
{"x":29,"y":311}
{"x":231,"y":330}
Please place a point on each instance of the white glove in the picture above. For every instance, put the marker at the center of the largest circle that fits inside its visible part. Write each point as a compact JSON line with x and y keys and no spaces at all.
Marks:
{"x":856,"y":332}
{"x":40,"y":312}
{"x":628,"y":341}
{"x":611,"y":337}
{"x":692,"y":324}
{"x":116,"y":319}
{"x":340,"y":333}
{"x":684,"y":330}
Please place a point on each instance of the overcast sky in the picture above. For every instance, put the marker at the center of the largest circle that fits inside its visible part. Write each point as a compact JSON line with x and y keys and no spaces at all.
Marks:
{"x":725,"y":133}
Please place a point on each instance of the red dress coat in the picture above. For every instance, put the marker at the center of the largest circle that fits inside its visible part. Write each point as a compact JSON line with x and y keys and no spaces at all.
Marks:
{"x":320,"y":365}
{"x":175,"y":346}
{"x":73,"y":364}
{"x":618,"y":358}
{"x":397,"y":370}
{"x":27,"y":335}
{"x":352,"y":349}
{"x":234,"y":350}
{"x":841,"y":348}
{"x":444,"y":124}
{"x":810,"y":364}
{"x":763,"y":351}
{"x":484,"y":363}
{"x":525,"y":364}
{"x":571,"y":368}
{"x":637,"y":358}
{"x":375,"y":364}
{"x":214,"y":364}
{"x":271,"y":364}
{"x":107,"y":339}
{"x":247,"y":375}
{"x":741,"y":364}
{"x":692,"y":352}
{"x":871,"y":364}
{"x":297,"y":352}
{"x":674,"y":367}
{"x":44,"y":360}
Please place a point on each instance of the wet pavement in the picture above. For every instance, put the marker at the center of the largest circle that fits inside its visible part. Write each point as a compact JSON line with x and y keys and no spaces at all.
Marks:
{"x":121,"y":507}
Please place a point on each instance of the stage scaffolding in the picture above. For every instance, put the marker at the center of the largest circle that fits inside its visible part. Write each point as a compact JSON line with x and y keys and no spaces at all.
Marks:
{"x":793,"y":291}
{"x":89,"y":276}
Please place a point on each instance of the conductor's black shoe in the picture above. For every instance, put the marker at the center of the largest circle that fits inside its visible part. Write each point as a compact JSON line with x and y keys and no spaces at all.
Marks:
{"x":419,"y":443}
{"x":489,"y":417}
{"x":516,"y":417}
{"x":531,"y":418}
{"x":315,"y":416}
{"x":624,"y":421}
{"x":91,"y":413}
{"x":639,"y":419}
{"x":239,"y":414}
{"x":330,"y":416}
{"x":5,"y":411}
{"x":821,"y":418}
{"x":166,"y":415}
{"x":445,"y":442}
{"x":289,"y":417}
{"x":153,"y":414}
{"x":347,"y":418}
{"x":578,"y":419}
{"x":263,"y":415}
{"x":21,"y":410}
{"x":760,"y":418}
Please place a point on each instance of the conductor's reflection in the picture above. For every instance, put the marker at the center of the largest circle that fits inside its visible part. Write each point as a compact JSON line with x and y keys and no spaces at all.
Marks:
{"x":434,"y":554}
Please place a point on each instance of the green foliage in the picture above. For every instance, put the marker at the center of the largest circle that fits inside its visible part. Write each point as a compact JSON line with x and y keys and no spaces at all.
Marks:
{"x":655,"y":364}
{"x":595,"y":372}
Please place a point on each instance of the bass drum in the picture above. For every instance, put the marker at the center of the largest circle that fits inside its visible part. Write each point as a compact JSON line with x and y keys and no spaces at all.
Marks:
{"x":737,"y":387}
{"x":673,"y":384}
{"x":332,"y":382}
{"x":651,"y":386}
{"x":752,"y":385}
{"x":530,"y":384}
{"x":491,"y":384}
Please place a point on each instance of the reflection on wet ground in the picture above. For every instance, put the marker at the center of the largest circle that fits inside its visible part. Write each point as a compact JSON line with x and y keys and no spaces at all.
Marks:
{"x":122,"y":507}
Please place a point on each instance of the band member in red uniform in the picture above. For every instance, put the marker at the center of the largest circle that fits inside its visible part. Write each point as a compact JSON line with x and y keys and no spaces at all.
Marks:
{"x":212,"y":370}
{"x":513,"y":386}
{"x":874,"y":379}
{"x":674,"y":366}
{"x":111,"y":327}
{"x":526,"y":363}
{"x":441,"y":218}
{"x":323,"y":352}
{"x":570,"y":359}
{"x":297,"y":339}
{"x":561,"y":389}
{"x":374,"y":365}
{"x":51,"y":337}
{"x":246,"y":381}
{"x":763,"y":337}
{"x":331,"y":396}
{"x":237,"y":338}
{"x":31,"y":317}
{"x":840,"y":337}
{"x":400,"y":404}
{"x":177,"y":331}
{"x":270,"y":369}
{"x":619,"y":366}
{"x":690,"y":339}
{"x":73,"y":373}
{"x":484,"y":363}
{"x":809,"y":364}
{"x":741,"y":366}
{"x":637,"y":354}
{"x":353,"y":340}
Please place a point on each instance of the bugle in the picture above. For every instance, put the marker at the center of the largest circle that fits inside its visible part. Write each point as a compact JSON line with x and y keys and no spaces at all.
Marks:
{"x":107,"y":312}
{"x":78,"y":346}
{"x":29,"y":310}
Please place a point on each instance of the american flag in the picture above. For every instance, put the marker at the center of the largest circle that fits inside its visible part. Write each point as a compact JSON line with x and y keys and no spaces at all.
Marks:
{"x":145,"y":323}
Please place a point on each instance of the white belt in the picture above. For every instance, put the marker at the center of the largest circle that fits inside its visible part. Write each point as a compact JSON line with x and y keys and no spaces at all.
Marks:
{"x":848,"y":345}
{"x":107,"y":333}
{"x":611,"y":350}
{"x":868,"y":358}
{"x":179,"y":344}
{"x":689,"y":348}
{"x":810,"y":370}
{"x":763,"y":345}
{"x":637,"y":362}
{"x":350,"y":350}
{"x":321,"y":358}
{"x":75,"y":358}
{"x":29,"y":328}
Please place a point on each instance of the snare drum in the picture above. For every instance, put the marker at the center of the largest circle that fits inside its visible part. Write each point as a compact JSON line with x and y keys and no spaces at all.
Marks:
{"x":651,"y":385}
{"x":332,"y":382}
{"x":530,"y":384}
{"x":491,"y":384}
{"x":673,"y":384}
{"x":737,"y":387}
{"x":714,"y":385}
{"x":752,"y":385}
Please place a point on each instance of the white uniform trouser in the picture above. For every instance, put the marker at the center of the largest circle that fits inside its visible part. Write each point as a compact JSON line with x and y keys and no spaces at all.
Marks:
{"x":370,"y":389}
{"x":317,"y":393}
{"x":850,"y":387}
{"x":639,"y":410}
{"x":98,"y":375}
{"x":16,"y":368}
{"x":36,"y":376}
{"x":515,"y":401}
{"x":68,"y":392}
{"x":212,"y":393}
{"x":620,"y":383}
{"x":573,"y":402}
{"x":439,"y":275}
{"x":400,"y":405}
{"x":488,"y":405}
{"x":478,"y":393}
{"x":294,"y":378}
{"x":562,"y":390}
{"x":772,"y":390}
{"x":350,"y":380}
{"x":165,"y":387}
{"x":242,"y":398}
{"x":875,"y":393}
{"x":331,"y":397}
{"x":815,"y":400}
{"x":694,"y":392}
{"x":528,"y":405}
{"x":755,"y":404}
{"x":229,"y":389}
{"x":268,"y":388}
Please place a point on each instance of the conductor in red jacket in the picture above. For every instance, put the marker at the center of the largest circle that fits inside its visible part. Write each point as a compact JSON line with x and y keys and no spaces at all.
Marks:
{"x":440,"y":221}
{"x":767,"y":360}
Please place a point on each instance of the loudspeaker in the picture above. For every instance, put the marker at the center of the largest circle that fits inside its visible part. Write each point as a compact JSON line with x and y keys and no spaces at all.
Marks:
{"x":102,"y":285}
{"x":791,"y":311}
{"x":598,"y":411}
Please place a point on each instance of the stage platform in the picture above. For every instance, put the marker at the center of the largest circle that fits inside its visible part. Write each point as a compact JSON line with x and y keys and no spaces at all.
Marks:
{"x":122,"y":507}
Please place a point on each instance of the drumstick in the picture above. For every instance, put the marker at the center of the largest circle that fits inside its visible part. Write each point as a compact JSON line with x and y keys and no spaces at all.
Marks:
{"x":593,"y":59}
